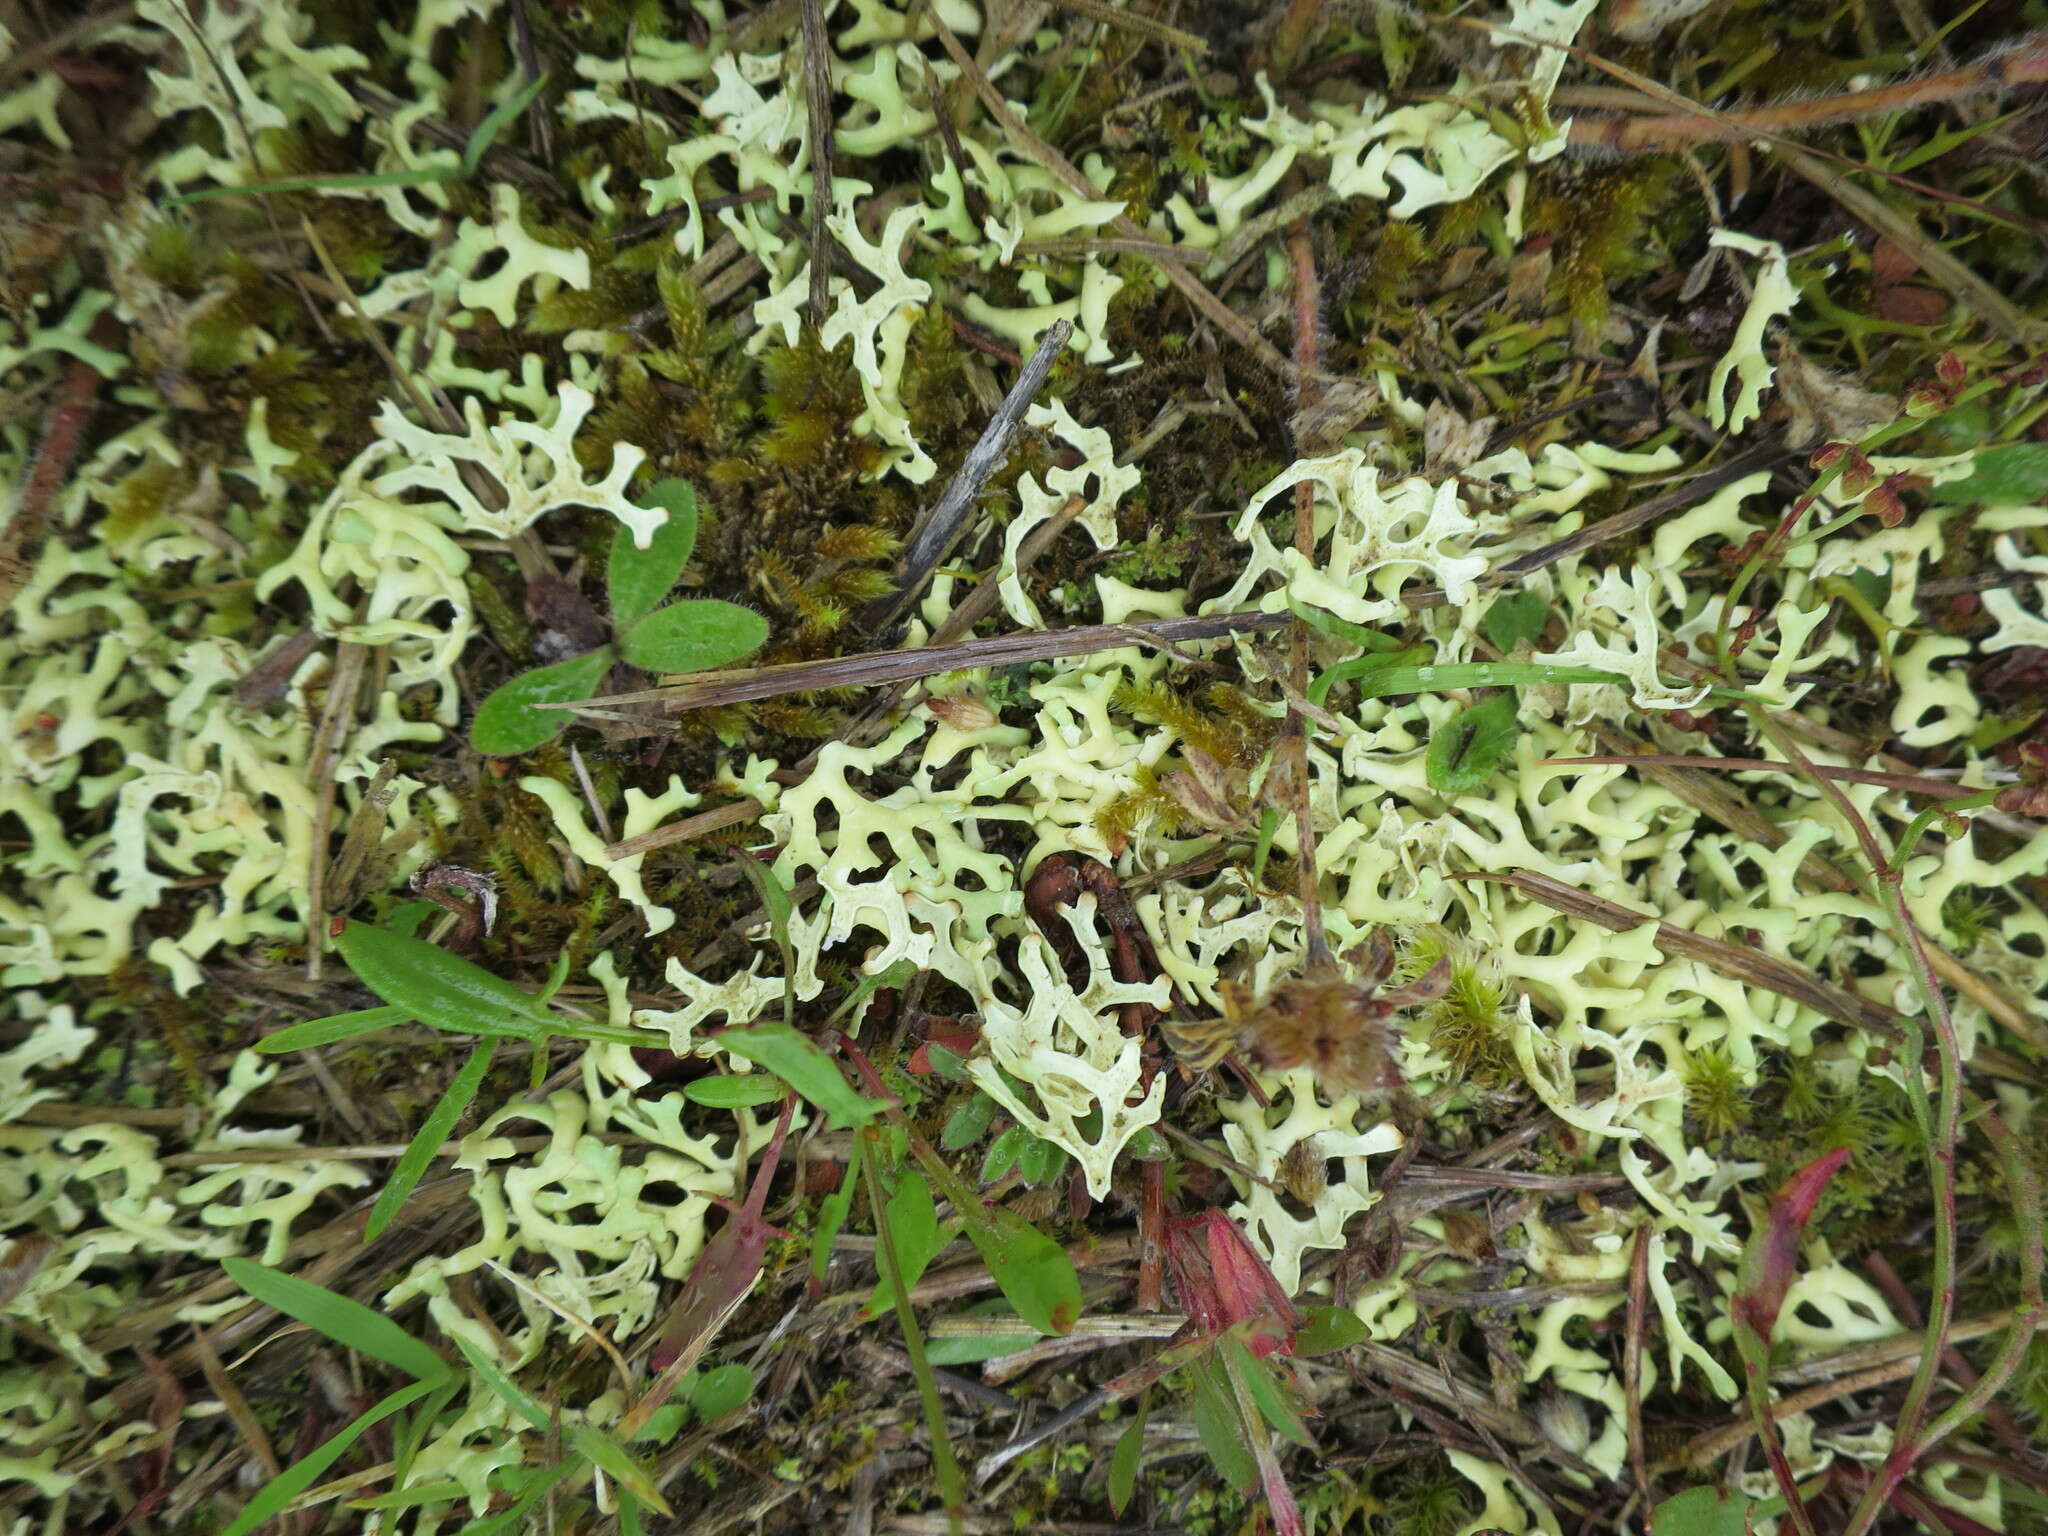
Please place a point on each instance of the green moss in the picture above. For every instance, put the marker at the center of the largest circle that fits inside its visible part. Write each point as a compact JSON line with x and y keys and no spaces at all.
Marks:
{"x":1715,"y":1095}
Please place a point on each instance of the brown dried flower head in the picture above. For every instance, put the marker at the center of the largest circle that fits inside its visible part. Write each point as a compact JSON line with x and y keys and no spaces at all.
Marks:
{"x":1327,"y":1021}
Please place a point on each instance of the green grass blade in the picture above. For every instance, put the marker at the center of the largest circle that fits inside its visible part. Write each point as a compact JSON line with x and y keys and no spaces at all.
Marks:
{"x":351,"y":182}
{"x":347,"y":1322}
{"x":1475,"y":674}
{"x":427,"y":1140}
{"x":448,"y":992}
{"x":486,"y":132}
{"x":273,"y":1497}
{"x":504,"y":1385}
{"x":514,"y":1516}
{"x":617,"y":1463}
{"x":334,"y":1028}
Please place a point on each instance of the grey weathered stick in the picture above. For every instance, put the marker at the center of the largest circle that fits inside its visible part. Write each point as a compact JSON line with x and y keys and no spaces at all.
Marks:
{"x":941,"y":526}
{"x":864,"y":671}
{"x":818,"y":94}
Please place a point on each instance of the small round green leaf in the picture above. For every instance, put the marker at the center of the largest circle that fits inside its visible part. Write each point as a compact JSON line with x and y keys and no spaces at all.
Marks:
{"x":512,"y":720}
{"x":1467,"y":750}
{"x":639,"y":579}
{"x":1325,"y":1330}
{"x":690,"y":635}
{"x":722,"y":1389}
{"x":1514,"y":618}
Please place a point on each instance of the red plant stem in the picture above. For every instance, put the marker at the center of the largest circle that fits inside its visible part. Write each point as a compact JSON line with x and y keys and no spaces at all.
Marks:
{"x":77,"y":396}
{"x":1151,"y":1248}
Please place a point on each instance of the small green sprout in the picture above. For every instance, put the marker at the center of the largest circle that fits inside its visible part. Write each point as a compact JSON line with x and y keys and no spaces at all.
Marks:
{"x":685,"y":636}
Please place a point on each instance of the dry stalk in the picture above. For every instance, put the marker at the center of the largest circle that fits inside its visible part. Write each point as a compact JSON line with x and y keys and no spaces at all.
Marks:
{"x":2024,"y":62}
{"x":1749,"y":966}
{"x":873,"y":667}
{"x":21,"y":540}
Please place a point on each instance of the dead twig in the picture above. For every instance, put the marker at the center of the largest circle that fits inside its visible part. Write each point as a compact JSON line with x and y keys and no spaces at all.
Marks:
{"x":818,"y":103}
{"x":714,"y":820}
{"x":1138,"y":22}
{"x":939,"y":529}
{"x":2022,"y":63}
{"x":336,"y":725}
{"x":1910,"y":783}
{"x":1748,"y":966}
{"x":873,"y":667}
{"x":21,"y":540}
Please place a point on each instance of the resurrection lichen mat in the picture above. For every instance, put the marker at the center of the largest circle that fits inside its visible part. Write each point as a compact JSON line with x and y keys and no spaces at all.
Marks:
{"x":1049,"y":766}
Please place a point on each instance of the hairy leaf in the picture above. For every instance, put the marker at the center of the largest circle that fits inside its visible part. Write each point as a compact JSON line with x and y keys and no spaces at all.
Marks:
{"x":514,"y":719}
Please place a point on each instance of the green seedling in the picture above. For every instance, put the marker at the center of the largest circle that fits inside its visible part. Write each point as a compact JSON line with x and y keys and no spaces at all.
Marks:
{"x":685,"y":636}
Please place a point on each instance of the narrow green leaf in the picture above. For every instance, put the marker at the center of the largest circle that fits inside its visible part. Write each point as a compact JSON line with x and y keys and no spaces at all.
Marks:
{"x":1041,"y":1161}
{"x":776,"y":902}
{"x":897,"y":975}
{"x":1471,"y":746}
{"x":691,"y":634}
{"x":1217,"y":1422}
{"x":486,"y":132}
{"x":914,"y":1228}
{"x":336,"y":1026}
{"x":515,"y":1517}
{"x":1476,"y":674}
{"x":1361,"y":667}
{"x":446,"y":1492}
{"x":426,"y":1142}
{"x":1343,"y":629}
{"x":412,"y":1432}
{"x":831,"y":1217}
{"x":741,"y":1090}
{"x":1325,"y":1330}
{"x":1125,"y":1460}
{"x":350,"y":182}
{"x":347,"y":1322}
{"x":1516,"y":617}
{"x":514,"y":720}
{"x":2011,"y":475}
{"x":795,"y":1059}
{"x":617,"y":1463}
{"x":446,"y":991}
{"x":271,"y":1499}
{"x":972,"y":1349}
{"x":1032,"y":1269}
{"x":638,"y":579}
{"x":502,"y":1384}
{"x":1265,"y":1392}
{"x":969,"y":1123}
{"x":720,"y":1390}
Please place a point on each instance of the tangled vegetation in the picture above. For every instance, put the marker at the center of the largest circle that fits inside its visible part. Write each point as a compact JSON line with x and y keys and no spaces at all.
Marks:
{"x":1292,"y":754}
